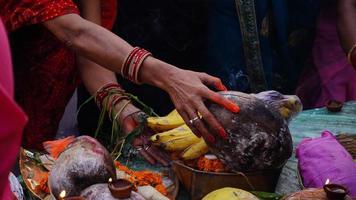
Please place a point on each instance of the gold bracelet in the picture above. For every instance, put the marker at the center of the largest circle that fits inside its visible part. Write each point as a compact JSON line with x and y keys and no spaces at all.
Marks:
{"x":349,"y":54}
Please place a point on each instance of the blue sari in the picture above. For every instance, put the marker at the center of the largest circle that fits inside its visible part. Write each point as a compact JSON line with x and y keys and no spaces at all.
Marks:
{"x":284,"y":29}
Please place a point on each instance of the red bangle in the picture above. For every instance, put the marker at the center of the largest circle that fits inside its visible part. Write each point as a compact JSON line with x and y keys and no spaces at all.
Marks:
{"x":138,"y":57}
{"x":104,"y":91}
{"x":137,"y":69}
{"x":126,"y":64}
{"x":132,"y":64}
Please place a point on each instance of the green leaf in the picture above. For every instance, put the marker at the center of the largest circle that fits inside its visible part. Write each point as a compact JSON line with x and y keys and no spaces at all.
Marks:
{"x":266,"y":195}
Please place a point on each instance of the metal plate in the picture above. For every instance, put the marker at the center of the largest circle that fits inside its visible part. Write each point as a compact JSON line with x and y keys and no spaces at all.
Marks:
{"x":30,"y":167}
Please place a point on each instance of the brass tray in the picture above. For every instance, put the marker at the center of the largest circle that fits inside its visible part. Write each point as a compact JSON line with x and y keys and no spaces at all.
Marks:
{"x":200,"y":183}
{"x":30,"y":166}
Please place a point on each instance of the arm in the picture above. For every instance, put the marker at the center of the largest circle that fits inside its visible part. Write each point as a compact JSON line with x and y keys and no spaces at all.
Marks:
{"x":95,"y":76}
{"x":347,"y":26}
{"x":188,"y":90}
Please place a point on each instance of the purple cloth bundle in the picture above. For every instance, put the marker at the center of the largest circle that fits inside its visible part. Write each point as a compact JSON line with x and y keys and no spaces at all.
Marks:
{"x":325,"y":158}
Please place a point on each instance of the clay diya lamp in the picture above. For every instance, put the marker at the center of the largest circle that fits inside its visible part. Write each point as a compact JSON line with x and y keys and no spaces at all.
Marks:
{"x":74,"y":198}
{"x":334,"y":106}
{"x":335,"y":191}
{"x":120,"y":188}
{"x":62,"y":196}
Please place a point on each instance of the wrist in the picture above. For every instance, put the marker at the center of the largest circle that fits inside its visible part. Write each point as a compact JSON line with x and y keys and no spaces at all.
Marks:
{"x":156,"y":73}
{"x":123,"y":109}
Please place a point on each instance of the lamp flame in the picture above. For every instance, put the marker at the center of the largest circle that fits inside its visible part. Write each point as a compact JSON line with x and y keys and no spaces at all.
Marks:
{"x":110,"y":180}
{"x":62,"y":194}
{"x":327,"y":181}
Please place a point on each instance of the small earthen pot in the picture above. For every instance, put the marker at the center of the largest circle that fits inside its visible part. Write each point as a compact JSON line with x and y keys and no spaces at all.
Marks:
{"x":120,"y":188}
{"x":334,"y":106}
{"x":335,"y":191}
{"x":74,"y":198}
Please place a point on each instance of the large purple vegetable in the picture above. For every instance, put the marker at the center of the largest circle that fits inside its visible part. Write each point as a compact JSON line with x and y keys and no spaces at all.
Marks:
{"x":258,"y":136}
{"x":83,"y":163}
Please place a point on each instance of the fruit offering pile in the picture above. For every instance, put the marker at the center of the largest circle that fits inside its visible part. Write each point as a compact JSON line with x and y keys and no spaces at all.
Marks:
{"x":174,"y":136}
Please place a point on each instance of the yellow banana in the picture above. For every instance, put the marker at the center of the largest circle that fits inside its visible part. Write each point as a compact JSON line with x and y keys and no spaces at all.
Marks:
{"x":157,"y":140}
{"x":173,"y":113}
{"x":179,"y":144}
{"x":176,"y":132}
{"x":171,"y":121}
{"x":195,"y":150}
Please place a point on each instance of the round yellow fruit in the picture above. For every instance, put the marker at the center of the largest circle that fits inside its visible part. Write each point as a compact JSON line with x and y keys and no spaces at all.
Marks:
{"x":229,"y":193}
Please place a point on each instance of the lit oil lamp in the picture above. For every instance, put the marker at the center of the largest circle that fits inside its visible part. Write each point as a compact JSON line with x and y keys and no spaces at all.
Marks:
{"x":120,"y":188}
{"x":335,"y":191}
{"x":62,"y":196}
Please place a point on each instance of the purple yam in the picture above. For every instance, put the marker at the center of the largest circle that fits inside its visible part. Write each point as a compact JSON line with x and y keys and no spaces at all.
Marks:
{"x":83,"y":163}
{"x":258,"y":136}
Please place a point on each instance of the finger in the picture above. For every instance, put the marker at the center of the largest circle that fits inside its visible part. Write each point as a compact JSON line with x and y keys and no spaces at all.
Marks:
{"x":164,"y":155}
{"x":145,"y":141}
{"x":161,"y":153}
{"x":200,"y":126}
{"x":187,"y":118}
{"x":137,"y":142}
{"x":211,"y":120}
{"x":192,"y":115}
{"x":147,"y":157}
{"x":229,"y":105}
{"x":212,"y":81}
{"x":156,"y":155}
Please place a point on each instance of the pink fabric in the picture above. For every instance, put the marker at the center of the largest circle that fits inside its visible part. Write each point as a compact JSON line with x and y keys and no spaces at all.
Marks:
{"x":12,"y":119}
{"x":329,"y":76}
{"x":324,"y":158}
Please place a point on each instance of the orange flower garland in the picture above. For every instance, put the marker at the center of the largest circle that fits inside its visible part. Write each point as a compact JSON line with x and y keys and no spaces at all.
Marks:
{"x":213,"y":165}
{"x":143,"y":178}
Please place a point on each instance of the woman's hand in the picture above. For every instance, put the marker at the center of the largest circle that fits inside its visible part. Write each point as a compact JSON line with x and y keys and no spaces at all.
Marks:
{"x":188,"y":91}
{"x":129,"y":119}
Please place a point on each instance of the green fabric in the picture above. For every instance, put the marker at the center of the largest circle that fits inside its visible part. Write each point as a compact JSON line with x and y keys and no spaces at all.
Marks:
{"x":311,"y":123}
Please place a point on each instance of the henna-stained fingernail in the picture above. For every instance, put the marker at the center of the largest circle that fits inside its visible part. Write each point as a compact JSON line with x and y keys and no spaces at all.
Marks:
{"x":224,"y":88}
{"x":220,"y":86}
{"x":233,"y":107}
{"x":211,"y":139}
{"x":223,"y":133}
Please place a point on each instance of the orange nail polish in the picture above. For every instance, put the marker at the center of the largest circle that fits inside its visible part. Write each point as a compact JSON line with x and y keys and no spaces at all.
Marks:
{"x":235,"y":109}
{"x":221,"y":87}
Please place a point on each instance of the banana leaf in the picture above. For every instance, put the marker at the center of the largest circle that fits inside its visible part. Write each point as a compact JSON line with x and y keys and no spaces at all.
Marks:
{"x":266,"y":195}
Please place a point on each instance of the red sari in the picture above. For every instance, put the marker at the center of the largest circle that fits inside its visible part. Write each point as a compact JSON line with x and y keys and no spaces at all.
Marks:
{"x":45,"y":70}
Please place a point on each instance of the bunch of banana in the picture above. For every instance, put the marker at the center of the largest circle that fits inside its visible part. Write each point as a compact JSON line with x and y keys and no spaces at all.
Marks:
{"x":177,"y":136}
{"x":171,"y":121}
